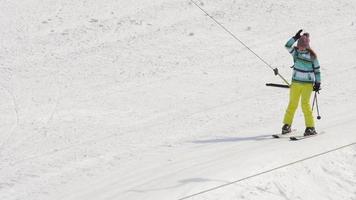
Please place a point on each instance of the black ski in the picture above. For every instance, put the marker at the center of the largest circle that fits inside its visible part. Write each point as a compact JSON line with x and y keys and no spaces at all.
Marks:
{"x":302,"y":137}
{"x":288,"y":135}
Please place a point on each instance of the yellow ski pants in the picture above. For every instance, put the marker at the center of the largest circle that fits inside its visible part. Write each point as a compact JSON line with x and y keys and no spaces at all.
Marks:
{"x":300,"y":91}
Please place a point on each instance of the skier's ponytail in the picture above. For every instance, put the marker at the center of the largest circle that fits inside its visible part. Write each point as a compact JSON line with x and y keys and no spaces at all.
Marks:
{"x":312,"y":53}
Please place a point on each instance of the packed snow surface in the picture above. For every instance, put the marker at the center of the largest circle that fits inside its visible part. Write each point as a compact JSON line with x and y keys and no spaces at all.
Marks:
{"x":151,"y":99}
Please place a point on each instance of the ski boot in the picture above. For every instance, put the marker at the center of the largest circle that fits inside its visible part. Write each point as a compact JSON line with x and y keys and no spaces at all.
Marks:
{"x":310,"y":131}
{"x":286,"y":129}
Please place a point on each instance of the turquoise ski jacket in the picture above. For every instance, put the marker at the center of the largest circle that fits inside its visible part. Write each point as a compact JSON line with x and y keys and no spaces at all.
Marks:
{"x":306,"y":68}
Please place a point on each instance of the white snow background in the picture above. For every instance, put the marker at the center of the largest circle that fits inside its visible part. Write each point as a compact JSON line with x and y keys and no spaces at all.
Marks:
{"x":151,"y":99}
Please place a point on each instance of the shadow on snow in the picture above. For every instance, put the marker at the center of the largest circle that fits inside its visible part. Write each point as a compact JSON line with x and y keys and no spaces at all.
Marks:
{"x":233,"y":139}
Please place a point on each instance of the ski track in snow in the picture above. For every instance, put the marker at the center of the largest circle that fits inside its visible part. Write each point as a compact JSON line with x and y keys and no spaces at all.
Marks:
{"x":153,"y":100}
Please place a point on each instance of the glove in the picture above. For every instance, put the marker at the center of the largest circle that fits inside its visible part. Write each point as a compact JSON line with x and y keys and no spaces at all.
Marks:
{"x":316,"y":87}
{"x":297,"y":35}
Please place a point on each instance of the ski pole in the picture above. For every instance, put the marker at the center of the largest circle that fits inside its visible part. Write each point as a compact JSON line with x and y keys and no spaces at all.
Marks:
{"x":317,"y":106}
{"x":315,"y":101}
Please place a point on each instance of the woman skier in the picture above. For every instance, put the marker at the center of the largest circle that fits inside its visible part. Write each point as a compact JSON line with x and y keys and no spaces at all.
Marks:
{"x":305,"y":79}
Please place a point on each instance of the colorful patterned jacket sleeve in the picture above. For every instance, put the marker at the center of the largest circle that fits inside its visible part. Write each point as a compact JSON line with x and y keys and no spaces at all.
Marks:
{"x":316,"y":67}
{"x":289,"y":46}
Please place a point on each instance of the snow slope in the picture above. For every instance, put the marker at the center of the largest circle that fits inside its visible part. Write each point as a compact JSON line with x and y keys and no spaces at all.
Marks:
{"x":152,"y":100}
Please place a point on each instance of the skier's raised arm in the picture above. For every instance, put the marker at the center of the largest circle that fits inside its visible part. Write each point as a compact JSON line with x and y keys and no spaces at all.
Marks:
{"x":289,"y":44}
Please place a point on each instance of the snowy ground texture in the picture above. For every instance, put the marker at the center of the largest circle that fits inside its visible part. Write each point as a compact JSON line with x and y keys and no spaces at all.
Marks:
{"x":150,"y":99}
